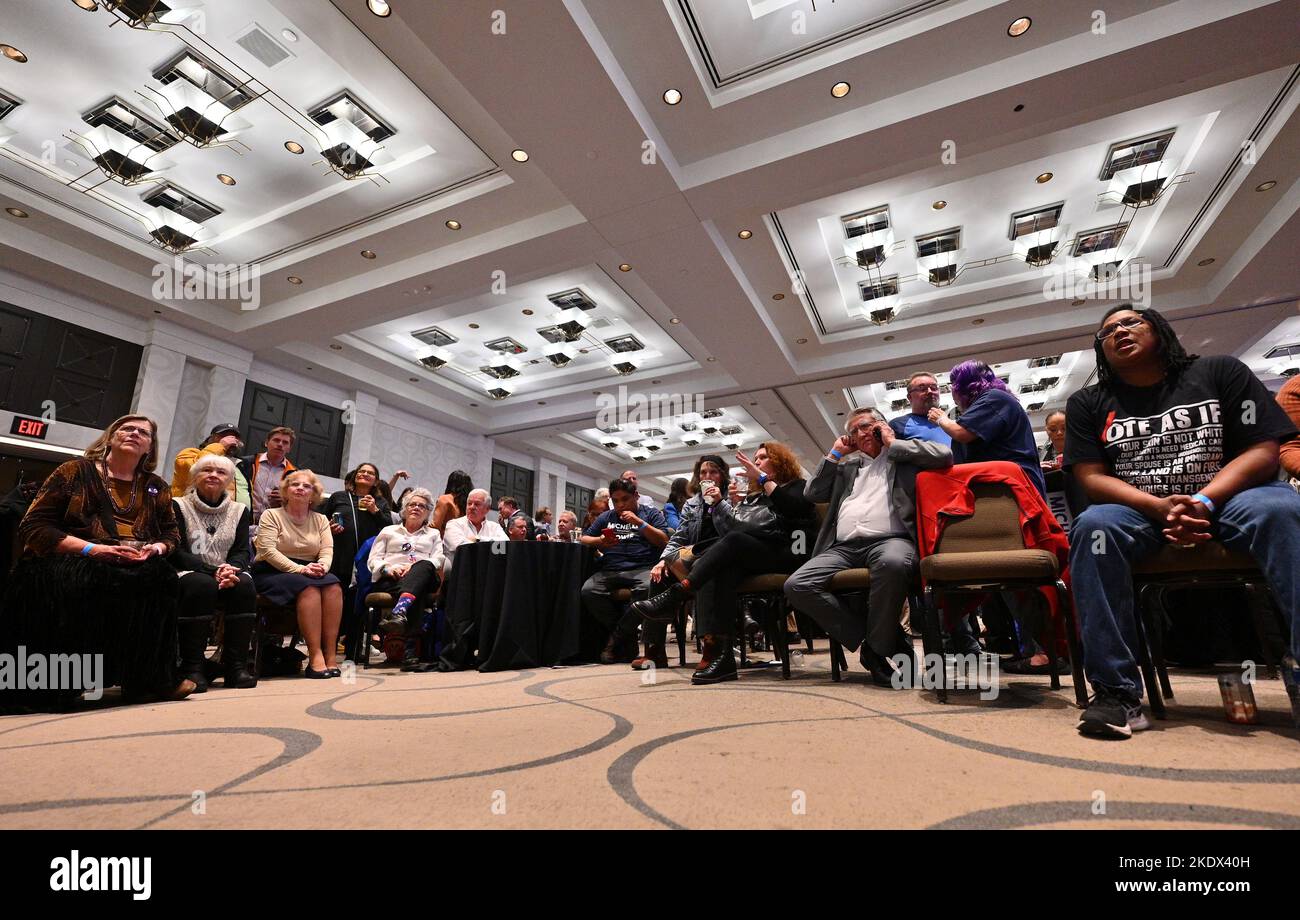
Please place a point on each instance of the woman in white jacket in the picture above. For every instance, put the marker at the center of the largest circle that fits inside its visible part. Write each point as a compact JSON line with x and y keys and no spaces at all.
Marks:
{"x":405,"y":558}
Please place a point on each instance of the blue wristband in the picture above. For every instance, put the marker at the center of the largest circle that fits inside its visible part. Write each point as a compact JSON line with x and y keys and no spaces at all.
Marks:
{"x":85,"y":550}
{"x":1206,"y":501}
{"x":836,"y":454}
{"x":762,"y":479}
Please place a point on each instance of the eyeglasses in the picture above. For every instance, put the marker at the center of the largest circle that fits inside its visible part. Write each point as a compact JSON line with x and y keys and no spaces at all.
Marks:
{"x":861,"y":429}
{"x":1128,"y":322}
{"x":418,"y":506}
{"x":924,"y":387}
{"x":131,"y":429}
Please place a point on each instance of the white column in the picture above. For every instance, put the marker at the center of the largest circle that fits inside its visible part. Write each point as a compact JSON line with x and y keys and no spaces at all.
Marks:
{"x":359,"y":429}
{"x":225,"y":397}
{"x":156,"y":388}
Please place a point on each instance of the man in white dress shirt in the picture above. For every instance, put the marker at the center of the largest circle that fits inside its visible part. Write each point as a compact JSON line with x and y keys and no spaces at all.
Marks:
{"x":472,"y":528}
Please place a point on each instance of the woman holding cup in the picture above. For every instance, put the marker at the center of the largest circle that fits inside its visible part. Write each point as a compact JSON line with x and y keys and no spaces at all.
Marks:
{"x":356,"y":514}
{"x":93,"y":578}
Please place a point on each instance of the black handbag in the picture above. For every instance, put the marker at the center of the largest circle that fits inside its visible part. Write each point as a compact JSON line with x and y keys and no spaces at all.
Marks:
{"x":755,"y":515}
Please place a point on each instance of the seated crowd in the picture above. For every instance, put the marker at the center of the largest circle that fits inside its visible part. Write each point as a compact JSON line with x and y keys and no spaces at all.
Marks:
{"x":1166,"y":448}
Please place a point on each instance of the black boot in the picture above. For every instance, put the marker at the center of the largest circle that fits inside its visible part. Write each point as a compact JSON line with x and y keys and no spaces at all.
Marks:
{"x":192,"y":635}
{"x":661,"y":607}
{"x":234,"y":651}
{"x":721,"y":667}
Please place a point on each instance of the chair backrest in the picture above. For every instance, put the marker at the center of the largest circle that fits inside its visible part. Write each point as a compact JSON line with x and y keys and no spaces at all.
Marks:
{"x":994,"y":526}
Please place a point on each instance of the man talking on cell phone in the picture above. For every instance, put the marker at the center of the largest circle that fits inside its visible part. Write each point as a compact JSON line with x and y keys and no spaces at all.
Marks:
{"x":871,"y":523}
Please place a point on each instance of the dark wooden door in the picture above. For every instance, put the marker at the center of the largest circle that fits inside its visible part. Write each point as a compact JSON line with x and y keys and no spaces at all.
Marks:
{"x":318,"y":428}
{"x":89,"y":377}
{"x":515,"y":481}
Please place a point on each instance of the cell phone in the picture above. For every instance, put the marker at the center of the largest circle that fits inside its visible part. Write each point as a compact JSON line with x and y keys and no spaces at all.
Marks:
{"x":337,"y":518}
{"x":875,"y":432}
{"x":608,"y":533}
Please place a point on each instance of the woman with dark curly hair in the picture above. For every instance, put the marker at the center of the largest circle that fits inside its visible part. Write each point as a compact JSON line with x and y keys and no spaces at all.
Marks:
{"x":93,"y":579}
{"x":728,"y":543}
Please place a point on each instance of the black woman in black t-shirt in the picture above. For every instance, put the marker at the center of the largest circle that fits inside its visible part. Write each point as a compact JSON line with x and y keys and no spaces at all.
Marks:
{"x":1171,"y":448}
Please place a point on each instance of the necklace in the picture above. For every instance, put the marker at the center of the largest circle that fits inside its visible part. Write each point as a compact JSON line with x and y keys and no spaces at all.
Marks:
{"x":118,"y":510}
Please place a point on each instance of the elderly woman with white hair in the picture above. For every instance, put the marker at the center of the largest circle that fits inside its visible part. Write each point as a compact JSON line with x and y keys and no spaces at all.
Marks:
{"x":212,"y":559}
{"x":405,"y":558}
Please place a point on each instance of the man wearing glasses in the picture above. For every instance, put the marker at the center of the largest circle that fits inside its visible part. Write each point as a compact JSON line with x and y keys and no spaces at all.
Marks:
{"x":1174,"y":449}
{"x":923,"y":394}
{"x":870,"y":523}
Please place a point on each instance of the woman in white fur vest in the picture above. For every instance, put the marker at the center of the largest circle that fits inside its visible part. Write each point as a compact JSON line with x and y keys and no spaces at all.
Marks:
{"x":212,"y":559}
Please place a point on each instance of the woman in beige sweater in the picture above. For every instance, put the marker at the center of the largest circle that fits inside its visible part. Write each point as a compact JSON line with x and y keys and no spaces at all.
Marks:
{"x":294,"y":550}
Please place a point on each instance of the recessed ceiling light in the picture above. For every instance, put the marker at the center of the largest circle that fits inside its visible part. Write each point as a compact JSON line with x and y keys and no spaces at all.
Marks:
{"x":336,"y":346}
{"x":1078,"y":302}
{"x":527,"y":312}
{"x":368,"y":254}
{"x":625,"y":267}
{"x":672,"y":96}
{"x":1043,"y":177}
{"x":294,"y":147}
{"x":675,"y":321}
{"x":1265,"y":186}
{"x":840,"y":90}
{"x":519,"y":155}
{"x":225,"y":179}
{"x":977,"y":322}
{"x":541,"y":402}
{"x":1205,"y":262}
{"x":1019,"y":108}
{"x":745,"y":234}
{"x":13,"y":54}
{"x":1019,"y":27}
{"x":453,"y":225}
{"x":939,"y":205}
{"x":801,"y":341}
{"x":17,"y":212}
{"x":889,"y":338}
{"x":473,"y":325}
{"x":379,"y":7}
{"x":655,"y":382}
{"x":88,"y":5}
{"x":159,"y":312}
{"x":710,"y":359}
{"x":294,"y":279}
{"x":310,"y":368}
{"x":413,"y":379}
{"x":289,"y":35}
{"x":778,"y":296}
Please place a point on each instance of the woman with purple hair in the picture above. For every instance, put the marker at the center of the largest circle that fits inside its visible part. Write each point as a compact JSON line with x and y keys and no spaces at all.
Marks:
{"x":994,"y":426}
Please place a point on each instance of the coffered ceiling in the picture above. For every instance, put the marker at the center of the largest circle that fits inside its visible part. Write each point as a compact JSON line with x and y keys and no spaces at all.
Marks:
{"x":533,"y":152}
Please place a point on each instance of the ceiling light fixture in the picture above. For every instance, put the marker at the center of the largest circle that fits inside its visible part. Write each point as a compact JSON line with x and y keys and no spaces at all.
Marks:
{"x":368,"y":254}
{"x":977,"y":322}
{"x":801,"y":341}
{"x":840,"y":90}
{"x":1265,"y":186}
{"x":671,"y":96}
{"x":778,"y":296}
{"x":745,"y":234}
{"x":88,"y":5}
{"x":939,"y":205}
{"x":527,"y":312}
{"x":1078,"y":302}
{"x":380,"y":8}
{"x":225,"y":179}
{"x":289,"y":35}
{"x":890,"y":338}
{"x":675,"y":321}
{"x":1019,"y":108}
{"x":13,"y":54}
{"x":336,"y":346}
{"x":473,"y":325}
{"x":624,"y":267}
{"x":121,"y":158}
{"x":711,"y":360}
{"x":1205,"y":262}
{"x":294,"y":279}
{"x":452,"y":225}
{"x":1043,"y":177}
{"x":294,"y":147}
{"x":1019,"y":26}
{"x":519,"y":155}
{"x":17,"y":212}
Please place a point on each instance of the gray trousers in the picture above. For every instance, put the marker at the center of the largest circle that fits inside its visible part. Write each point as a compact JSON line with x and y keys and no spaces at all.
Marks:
{"x":892,"y":561}
{"x":598,"y":604}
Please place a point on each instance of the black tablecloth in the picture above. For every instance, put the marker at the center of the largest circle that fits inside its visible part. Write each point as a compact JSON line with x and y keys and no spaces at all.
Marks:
{"x":515,"y":605}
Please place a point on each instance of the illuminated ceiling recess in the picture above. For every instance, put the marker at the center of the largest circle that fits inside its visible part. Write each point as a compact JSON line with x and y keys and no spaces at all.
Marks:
{"x":152,"y":92}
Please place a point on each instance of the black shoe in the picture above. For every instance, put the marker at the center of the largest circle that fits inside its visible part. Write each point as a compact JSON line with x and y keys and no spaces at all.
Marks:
{"x":1112,"y":714}
{"x":722,"y":668}
{"x":661,"y":607}
{"x":308,"y":672}
{"x":882,"y":669}
{"x":239,"y":679}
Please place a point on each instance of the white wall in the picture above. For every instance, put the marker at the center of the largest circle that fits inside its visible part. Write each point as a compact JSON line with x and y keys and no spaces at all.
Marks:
{"x":190,"y":382}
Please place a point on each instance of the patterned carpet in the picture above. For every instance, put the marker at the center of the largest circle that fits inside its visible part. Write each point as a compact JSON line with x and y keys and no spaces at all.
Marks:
{"x":597,"y":747}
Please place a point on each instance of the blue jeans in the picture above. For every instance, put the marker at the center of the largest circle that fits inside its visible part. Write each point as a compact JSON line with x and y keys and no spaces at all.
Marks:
{"x":1263,"y":522}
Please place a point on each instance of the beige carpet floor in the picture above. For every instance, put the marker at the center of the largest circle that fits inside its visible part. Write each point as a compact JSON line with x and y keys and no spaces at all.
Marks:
{"x":597,"y":747}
